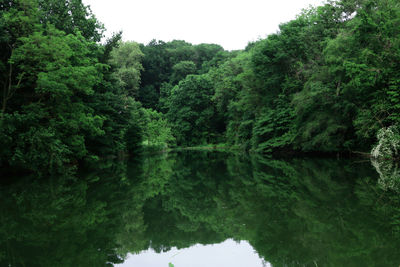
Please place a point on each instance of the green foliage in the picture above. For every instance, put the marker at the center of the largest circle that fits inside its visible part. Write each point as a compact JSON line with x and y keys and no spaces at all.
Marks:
{"x":156,"y":67}
{"x":165,"y":94}
{"x":272,"y":127}
{"x":181,"y":70}
{"x":389,"y":176}
{"x":56,"y":72}
{"x":170,"y":62}
{"x":227,"y":83}
{"x":126,"y":60}
{"x":71,"y":16}
{"x":321,"y":131}
{"x":60,"y":105}
{"x":156,"y":133}
{"x":191,"y":110}
{"x":132,"y":132}
{"x":328,"y":81}
{"x":364,"y":57}
{"x":236,"y":101}
{"x":388,"y":143}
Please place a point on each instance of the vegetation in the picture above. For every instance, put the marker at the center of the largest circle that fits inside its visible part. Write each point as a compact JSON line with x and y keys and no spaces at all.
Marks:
{"x":74,"y":106}
{"x":60,"y":101}
{"x":328,"y":81}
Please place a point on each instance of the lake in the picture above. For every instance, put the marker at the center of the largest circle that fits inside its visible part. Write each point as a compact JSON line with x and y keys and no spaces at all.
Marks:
{"x":197,"y":208}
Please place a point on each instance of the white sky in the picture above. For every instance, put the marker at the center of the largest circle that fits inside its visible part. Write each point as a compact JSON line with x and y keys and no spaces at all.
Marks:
{"x":230,"y":23}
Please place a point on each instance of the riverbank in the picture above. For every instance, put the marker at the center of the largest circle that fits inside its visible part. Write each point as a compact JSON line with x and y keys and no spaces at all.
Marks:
{"x":278,"y":153}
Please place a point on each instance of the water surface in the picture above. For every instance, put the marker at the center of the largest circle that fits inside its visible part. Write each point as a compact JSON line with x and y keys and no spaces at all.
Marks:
{"x":205,"y":207}
{"x":228,"y":253}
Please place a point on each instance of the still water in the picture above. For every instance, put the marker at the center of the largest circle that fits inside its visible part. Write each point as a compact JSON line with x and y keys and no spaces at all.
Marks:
{"x":228,"y":253}
{"x":205,"y":209}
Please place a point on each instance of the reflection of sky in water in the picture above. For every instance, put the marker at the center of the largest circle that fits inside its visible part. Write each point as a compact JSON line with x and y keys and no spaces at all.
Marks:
{"x":229,"y":253}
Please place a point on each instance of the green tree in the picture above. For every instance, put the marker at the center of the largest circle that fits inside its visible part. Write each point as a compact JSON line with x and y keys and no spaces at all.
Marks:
{"x":48,"y":119}
{"x":59,"y":98}
{"x":157,"y":68}
{"x":181,"y":70}
{"x":170,"y":62}
{"x":191,"y":110}
{"x":126,"y":60}
{"x":156,"y":132}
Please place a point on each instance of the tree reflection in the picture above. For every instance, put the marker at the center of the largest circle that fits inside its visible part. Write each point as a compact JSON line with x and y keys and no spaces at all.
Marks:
{"x":297,"y":212}
{"x":300,"y":212}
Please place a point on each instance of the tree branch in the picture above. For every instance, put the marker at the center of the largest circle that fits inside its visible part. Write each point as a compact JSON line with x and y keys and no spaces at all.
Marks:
{"x":6,"y":91}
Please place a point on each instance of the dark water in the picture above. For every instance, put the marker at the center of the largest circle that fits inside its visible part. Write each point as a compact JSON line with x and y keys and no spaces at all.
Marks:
{"x":299,"y":212}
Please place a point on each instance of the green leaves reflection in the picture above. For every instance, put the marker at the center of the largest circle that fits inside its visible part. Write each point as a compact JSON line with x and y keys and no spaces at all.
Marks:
{"x":65,"y":221}
{"x":293,"y":212}
{"x":297,"y":212}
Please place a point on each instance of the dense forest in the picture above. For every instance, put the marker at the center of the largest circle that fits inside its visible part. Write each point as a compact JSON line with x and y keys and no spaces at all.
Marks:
{"x":328,"y":81}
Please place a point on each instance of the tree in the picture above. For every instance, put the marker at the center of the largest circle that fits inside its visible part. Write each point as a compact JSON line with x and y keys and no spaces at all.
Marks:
{"x":157,"y":133}
{"x":191,"y":110}
{"x":48,"y":120}
{"x":170,"y":62}
{"x":181,"y":70}
{"x":58,"y":101}
{"x":126,"y":60}
{"x":71,"y":16}
{"x":156,"y":70}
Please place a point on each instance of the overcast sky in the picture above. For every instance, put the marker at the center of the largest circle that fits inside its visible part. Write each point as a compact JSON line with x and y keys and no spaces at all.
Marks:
{"x":230,"y":23}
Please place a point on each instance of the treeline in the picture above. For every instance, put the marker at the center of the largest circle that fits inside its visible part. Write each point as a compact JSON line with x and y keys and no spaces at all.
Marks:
{"x":328,"y":81}
{"x":61,"y":100}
